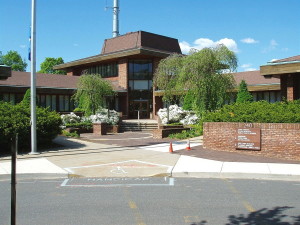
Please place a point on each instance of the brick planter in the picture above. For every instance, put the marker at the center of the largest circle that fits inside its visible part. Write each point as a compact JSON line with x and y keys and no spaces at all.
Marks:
{"x":278,"y":140}
{"x":112,"y":129}
{"x":99,"y":128}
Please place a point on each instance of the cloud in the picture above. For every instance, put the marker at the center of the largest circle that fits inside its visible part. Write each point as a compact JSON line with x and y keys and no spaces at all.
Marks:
{"x":248,"y":67}
{"x":249,"y":41}
{"x":201,"y":43}
{"x":273,"y":43}
{"x":22,"y":46}
{"x":75,"y":45}
{"x":272,"y":46}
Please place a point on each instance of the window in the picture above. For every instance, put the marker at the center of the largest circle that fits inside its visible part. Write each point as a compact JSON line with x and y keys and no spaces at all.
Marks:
{"x":140,"y":69}
{"x":105,"y":70}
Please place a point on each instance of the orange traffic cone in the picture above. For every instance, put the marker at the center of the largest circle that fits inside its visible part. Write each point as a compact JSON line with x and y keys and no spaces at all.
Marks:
{"x":188,"y":147}
{"x":171,"y":148}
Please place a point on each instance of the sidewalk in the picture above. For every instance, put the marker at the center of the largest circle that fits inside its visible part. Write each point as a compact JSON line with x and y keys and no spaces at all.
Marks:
{"x":138,"y":155}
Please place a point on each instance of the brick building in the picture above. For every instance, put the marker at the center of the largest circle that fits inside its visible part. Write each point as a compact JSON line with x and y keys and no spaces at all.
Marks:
{"x":128,"y":62}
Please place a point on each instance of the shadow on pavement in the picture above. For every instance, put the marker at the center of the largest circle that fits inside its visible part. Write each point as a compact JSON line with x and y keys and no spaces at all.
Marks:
{"x":263,"y":216}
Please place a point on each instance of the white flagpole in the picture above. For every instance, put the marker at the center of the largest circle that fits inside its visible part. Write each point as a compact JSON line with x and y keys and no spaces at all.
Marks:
{"x":33,"y":79}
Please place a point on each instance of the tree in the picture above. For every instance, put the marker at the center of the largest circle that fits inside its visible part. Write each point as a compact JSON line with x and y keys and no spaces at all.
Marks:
{"x":205,"y":74}
{"x":243,"y":94}
{"x":14,"y":60}
{"x":91,"y":93}
{"x":166,"y":76}
{"x":49,"y":63}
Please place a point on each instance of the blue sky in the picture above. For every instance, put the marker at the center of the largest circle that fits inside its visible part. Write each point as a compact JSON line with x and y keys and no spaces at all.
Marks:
{"x":257,"y":30}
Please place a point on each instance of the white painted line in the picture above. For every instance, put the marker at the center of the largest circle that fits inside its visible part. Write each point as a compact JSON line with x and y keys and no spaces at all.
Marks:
{"x":64,"y":183}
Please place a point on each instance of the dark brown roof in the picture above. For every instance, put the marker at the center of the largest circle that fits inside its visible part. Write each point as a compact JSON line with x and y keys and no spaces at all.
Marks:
{"x":135,"y":43}
{"x":141,"y":39}
{"x":290,"y":59}
{"x":254,"y":78}
{"x":55,"y":81}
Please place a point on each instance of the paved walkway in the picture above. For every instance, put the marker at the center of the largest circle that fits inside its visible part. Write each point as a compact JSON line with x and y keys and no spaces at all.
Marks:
{"x":138,"y":154}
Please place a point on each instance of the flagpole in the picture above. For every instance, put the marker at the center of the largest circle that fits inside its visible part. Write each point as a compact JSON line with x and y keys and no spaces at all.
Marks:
{"x":33,"y":79}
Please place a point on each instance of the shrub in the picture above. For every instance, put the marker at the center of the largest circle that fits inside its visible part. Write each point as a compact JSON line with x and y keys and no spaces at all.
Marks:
{"x":105,"y":116}
{"x":196,"y":130}
{"x":257,"y":112}
{"x":177,"y":114}
{"x":16,"y":119}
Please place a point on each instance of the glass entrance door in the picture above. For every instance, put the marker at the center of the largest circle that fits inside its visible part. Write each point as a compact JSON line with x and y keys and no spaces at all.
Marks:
{"x":141,"y":109}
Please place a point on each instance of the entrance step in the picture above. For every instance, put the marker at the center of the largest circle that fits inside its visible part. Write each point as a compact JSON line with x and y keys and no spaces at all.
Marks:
{"x":137,"y":126}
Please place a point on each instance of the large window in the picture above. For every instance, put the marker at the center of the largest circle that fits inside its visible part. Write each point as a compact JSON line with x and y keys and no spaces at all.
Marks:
{"x":140,"y":88}
{"x":105,"y":70}
{"x":140,"y":69}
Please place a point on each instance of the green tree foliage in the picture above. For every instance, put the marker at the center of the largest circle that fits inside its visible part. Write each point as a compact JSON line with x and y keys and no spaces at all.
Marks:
{"x":205,"y":74}
{"x":243,"y":94}
{"x":91,"y":93}
{"x":188,"y":101}
{"x":166,"y":76}
{"x":14,"y":60}
{"x":49,"y":63}
{"x":16,"y":119}
{"x":257,"y":112}
{"x":26,"y":99}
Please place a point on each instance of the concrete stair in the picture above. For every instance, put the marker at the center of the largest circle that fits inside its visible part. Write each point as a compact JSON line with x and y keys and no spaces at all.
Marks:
{"x":136,"y":126}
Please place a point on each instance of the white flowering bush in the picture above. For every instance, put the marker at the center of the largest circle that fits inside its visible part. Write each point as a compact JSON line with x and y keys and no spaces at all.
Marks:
{"x":70,"y":118}
{"x":177,"y":114}
{"x":190,"y":119}
{"x":103,"y":116}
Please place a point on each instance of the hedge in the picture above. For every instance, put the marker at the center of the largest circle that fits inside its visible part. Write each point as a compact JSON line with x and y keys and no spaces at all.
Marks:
{"x":16,"y":119}
{"x":257,"y":112}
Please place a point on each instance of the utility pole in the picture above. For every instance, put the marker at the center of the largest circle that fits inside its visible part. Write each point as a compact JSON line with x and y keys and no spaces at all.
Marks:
{"x":33,"y":79}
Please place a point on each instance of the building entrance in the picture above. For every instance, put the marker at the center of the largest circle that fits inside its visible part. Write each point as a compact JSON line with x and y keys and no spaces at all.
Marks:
{"x":140,"y":109}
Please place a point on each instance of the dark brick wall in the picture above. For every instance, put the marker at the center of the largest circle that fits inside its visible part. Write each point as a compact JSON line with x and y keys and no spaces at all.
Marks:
{"x":279,"y":140}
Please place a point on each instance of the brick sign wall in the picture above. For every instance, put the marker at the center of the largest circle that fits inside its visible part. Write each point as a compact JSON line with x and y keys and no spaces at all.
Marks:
{"x":279,"y":140}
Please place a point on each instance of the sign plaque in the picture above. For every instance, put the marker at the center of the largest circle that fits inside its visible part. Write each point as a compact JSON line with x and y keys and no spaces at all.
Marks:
{"x":248,"y":139}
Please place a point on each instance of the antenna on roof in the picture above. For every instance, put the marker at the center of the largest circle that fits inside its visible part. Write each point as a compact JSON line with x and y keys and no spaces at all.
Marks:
{"x":116,"y":11}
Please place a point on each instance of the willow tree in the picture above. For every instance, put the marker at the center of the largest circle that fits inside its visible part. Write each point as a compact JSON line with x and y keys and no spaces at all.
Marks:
{"x":206,"y":74}
{"x":166,"y":76}
{"x":92,"y":91}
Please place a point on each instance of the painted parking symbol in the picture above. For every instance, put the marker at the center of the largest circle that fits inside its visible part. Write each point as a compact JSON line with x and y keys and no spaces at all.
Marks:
{"x":118,"y":170}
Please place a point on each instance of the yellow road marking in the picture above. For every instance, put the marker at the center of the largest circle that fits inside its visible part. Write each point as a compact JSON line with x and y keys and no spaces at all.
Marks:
{"x":138,"y":216}
{"x":245,"y":203}
{"x":191,"y":219}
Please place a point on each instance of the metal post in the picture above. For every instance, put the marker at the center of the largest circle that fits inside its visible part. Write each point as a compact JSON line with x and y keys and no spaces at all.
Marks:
{"x":116,"y":18}
{"x":14,"y":149}
{"x":33,"y":79}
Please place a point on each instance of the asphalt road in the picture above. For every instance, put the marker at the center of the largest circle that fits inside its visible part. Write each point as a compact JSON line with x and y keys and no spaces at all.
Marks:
{"x":152,"y":201}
